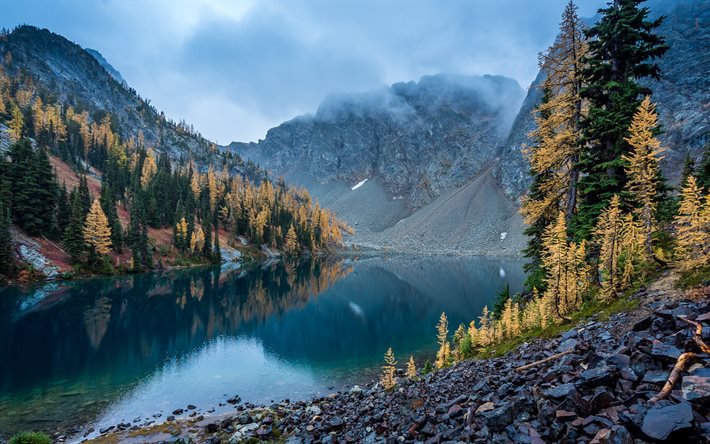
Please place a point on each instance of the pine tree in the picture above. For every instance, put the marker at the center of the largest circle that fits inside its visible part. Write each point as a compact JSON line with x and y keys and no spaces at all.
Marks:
{"x":97,"y":233}
{"x":622,"y":50}
{"x":411,"y":368}
{"x":181,"y":235}
{"x":688,"y":169}
{"x":27,"y":207}
{"x":217,"y":256}
{"x":642,"y":169}
{"x":692,"y":224}
{"x":703,"y":173}
{"x":388,"y":379}
{"x":74,"y":233}
{"x":109,"y":207}
{"x":442,"y":332}
{"x":6,"y":256}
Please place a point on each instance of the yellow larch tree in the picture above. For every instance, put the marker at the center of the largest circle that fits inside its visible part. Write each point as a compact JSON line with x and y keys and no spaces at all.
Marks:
{"x":17,"y":123}
{"x":97,"y":233}
{"x":197,"y":240}
{"x":608,"y":235}
{"x":411,"y":368}
{"x":692,"y":249}
{"x":642,"y":168}
{"x":291,"y":241}
{"x":555,"y":263}
{"x":149,"y":169}
{"x":388,"y":379}
{"x":442,"y":333}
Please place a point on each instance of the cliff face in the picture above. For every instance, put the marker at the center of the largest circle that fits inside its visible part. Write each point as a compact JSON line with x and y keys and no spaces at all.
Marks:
{"x":682,"y":96}
{"x":418,"y":139}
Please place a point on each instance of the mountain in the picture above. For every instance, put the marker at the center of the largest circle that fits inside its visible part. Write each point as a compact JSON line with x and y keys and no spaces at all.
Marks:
{"x":682,"y":96}
{"x":378,"y":158}
{"x":65,"y":72}
{"x":107,"y":66}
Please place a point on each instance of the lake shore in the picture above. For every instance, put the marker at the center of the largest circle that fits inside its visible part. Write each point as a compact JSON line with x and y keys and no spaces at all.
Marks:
{"x":592,"y":383}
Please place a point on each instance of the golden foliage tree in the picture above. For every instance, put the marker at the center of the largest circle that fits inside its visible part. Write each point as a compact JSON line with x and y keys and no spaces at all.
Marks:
{"x":17,"y":123}
{"x":197,"y":240}
{"x":444,"y":353}
{"x":642,"y":166}
{"x":608,"y":234}
{"x":291,"y":242}
{"x":388,"y":379}
{"x":97,"y":233}
{"x":692,"y":227}
{"x":411,"y":368}
{"x":149,"y":169}
{"x":557,"y":134}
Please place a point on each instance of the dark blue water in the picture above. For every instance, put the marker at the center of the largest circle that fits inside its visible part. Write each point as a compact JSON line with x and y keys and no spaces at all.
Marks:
{"x":107,"y":350}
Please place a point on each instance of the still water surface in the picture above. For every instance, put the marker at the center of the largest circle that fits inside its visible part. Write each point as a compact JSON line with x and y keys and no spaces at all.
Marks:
{"x":108,"y":350}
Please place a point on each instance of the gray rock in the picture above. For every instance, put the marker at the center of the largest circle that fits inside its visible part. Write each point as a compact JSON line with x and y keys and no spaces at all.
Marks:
{"x":661,"y":421}
{"x":696,"y":389}
{"x":656,"y":376}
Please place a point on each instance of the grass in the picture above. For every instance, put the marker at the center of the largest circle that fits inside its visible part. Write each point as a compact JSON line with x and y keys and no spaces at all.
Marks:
{"x":601,"y":311}
{"x":30,"y":438}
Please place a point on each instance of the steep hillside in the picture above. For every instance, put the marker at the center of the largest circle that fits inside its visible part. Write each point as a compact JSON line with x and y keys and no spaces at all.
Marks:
{"x":64,"y":71}
{"x":682,"y":95}
{"x":377,"y":158}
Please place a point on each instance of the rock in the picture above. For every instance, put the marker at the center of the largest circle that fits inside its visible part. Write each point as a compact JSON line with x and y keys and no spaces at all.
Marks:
{"x":178,"y":411}
{"x":616,"y":435}
{"x":602,"y":375}
{"x":656,"y":376}
{"x":106,"y":429}
{"x":568,"y":345}
{"x":236,"y":399}
{"x":212,"y":427}
{"x":666,"y":351}
{"x":661,"y":421}
{"x":313,"y":410}
{"x":642,"y":324}
{"x":561,"y":391}
{"x":485,"y":407}
{"x":564,"y":415}
{"x":191,"y":407}
{"x":336,"y":423}
{"x":696,"y":389}
{"x":498,"y":418}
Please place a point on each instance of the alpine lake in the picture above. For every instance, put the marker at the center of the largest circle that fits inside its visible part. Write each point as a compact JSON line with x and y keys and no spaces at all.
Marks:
{"x":96,"y":352}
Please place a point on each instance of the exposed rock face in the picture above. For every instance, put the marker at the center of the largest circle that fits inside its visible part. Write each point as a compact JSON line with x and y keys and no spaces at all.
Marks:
{"x":682,"y":96}
{"x":419,"y":138}
{"x":107,"y":66}
{"x":78,"y":78}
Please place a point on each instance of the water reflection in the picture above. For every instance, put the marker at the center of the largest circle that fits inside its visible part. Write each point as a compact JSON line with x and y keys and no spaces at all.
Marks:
{"x":131,"y":346}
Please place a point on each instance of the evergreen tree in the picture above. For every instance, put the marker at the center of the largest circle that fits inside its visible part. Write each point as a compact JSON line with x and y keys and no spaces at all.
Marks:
{"x":47,"y":190}
{"x":622,"y":50}
{"x":74,"y":233}
{"x":17,"y":123}
{"x":217,"y":251}
{"x":84,"y":194}
{"x":109,"y":208}
{"x":703,"y":173}
{"x":688,"y":169}
{"x":6,"y":256}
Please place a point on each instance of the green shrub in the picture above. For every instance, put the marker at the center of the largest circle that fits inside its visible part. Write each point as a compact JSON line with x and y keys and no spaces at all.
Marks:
{"x":30,"y":438}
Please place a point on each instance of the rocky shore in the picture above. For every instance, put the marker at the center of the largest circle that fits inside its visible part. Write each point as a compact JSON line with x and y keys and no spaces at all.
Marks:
{"x":592,"y":384}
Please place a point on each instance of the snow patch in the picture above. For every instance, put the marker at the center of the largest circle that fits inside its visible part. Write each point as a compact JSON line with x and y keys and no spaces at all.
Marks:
{"x":501,"y":272}
{"x":359,"y":184}
{"x":503,"y":235}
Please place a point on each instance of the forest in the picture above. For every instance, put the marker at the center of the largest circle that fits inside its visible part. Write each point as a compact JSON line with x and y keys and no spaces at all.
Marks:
{"x":141,"y":188}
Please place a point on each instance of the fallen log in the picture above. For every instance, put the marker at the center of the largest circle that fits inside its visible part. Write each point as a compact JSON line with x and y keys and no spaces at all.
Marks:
{"x":542,"y":361}
{"x":680,"y":366}
{"x":698,"y":335}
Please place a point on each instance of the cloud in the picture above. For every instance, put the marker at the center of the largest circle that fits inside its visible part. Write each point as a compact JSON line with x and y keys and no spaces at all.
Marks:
{"x":234,"y":69}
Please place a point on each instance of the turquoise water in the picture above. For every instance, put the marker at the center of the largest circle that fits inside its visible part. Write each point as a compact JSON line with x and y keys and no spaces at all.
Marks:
{"x":107,"y":350}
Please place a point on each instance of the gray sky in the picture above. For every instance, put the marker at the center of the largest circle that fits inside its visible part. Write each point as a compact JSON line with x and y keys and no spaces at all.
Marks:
{"x":234,"y":69}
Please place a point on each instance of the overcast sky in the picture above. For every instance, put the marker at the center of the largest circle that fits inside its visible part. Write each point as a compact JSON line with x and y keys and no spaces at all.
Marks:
{"x":236,"y":69}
